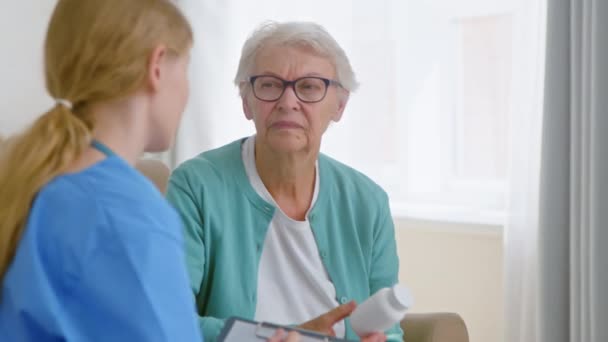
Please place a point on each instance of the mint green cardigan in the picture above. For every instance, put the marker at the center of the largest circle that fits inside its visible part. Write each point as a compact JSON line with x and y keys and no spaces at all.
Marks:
{"x":226,"y":222}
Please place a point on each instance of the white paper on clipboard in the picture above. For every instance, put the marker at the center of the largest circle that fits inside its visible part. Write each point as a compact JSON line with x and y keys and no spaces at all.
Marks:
{"x":242,"y":330}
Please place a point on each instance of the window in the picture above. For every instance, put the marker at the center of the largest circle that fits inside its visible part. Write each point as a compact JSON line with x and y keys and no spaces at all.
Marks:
{"x":430,"y":120}
{"x":432,"y":114}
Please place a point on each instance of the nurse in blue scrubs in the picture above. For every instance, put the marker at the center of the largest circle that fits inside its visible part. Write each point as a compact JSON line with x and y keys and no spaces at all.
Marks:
{"x":89,"y":249}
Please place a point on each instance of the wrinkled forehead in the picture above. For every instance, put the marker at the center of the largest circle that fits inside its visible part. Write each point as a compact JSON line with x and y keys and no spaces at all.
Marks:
{"x":293,"y":61}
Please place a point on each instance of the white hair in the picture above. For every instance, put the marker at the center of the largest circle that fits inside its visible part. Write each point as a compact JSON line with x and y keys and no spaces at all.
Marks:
{"x":294,"y":34}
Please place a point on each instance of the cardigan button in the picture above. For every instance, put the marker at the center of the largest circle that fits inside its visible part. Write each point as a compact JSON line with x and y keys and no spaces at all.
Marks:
{"x":343,"y":300}
{"x":323,"y":254}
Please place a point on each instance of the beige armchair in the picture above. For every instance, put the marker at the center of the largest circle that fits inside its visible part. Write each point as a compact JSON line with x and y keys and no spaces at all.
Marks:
{"x":434,"y":327}
{"x":428,"y":327}
{"x":156,"y":171}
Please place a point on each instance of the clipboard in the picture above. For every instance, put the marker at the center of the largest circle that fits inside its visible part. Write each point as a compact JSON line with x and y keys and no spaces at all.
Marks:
{"x":243,"y":330}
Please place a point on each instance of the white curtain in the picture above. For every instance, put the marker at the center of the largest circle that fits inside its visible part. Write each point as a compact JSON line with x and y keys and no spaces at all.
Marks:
{"x":574,"y":178}
{"x":521,"y":230}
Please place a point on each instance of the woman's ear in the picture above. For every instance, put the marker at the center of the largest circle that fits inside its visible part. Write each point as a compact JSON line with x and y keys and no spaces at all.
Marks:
{"x":246,"y":108}
{"x":155,"y":67}
{"x":245,"y":99}
{"x":343,"y":96}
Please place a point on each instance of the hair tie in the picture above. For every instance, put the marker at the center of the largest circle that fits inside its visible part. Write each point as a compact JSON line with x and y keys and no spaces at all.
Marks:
{"x":64,"y":102}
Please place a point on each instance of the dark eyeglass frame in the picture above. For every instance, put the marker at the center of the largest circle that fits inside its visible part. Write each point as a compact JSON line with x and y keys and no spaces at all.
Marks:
{"x":292,"y":84}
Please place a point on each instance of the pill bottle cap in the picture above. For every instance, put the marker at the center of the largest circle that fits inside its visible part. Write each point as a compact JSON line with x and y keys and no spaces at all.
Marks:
{"x":401,"y":297}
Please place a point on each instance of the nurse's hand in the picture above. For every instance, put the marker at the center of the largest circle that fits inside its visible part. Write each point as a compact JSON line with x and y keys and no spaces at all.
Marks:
{"x":324,"y":324}
{"x":291,"y":337}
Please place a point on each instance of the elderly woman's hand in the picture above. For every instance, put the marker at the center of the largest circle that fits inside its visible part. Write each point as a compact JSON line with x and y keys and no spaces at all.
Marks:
{"x":324,"y":324}
{"x":291,"y":337}
{"x":375,"y":337}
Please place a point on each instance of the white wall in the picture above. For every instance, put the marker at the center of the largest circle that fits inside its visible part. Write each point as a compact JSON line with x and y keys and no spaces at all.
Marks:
{"x":22,"y":93}
{"x":455,"y":268}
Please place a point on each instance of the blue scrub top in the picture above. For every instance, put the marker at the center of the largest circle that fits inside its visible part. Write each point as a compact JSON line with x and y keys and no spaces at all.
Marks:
{"x":101,"y":259}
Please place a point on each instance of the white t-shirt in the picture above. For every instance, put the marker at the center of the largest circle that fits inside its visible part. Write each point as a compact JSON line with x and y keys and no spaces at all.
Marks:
{"x":293,"y":284}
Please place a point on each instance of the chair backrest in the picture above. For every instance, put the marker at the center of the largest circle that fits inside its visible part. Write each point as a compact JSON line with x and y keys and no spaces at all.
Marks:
{"x":3,"y":144}
{"x":434,"y":327}
{"x":156,"y":171}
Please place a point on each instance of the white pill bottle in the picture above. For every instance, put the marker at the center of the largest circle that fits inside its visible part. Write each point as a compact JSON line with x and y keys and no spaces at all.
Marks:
{"x":381,"y":311}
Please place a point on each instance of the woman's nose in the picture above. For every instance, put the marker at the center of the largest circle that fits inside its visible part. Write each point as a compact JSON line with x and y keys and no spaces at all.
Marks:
{"x":289,"y":99}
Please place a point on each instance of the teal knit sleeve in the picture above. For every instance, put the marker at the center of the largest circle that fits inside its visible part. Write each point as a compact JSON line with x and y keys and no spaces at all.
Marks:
{"x":385,"y":262}
{"x":182,"y":197}
{"x":210,"y":327}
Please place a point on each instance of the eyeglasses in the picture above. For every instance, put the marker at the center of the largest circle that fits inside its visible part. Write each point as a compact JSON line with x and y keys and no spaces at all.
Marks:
{"x":307,"y":89}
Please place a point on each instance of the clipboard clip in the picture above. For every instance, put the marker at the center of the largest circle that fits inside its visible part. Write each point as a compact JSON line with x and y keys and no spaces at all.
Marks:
{"x":265,"y":331}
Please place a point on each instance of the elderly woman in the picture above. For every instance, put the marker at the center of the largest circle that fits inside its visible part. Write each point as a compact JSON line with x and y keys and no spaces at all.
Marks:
{"x":276,"y":231}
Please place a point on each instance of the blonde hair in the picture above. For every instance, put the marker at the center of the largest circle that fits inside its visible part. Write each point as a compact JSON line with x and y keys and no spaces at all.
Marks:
{"x":95,"y":51}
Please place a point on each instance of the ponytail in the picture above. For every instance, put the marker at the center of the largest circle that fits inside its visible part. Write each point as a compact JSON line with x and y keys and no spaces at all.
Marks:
{"x":29,"y":162}
{"x":94,"y":52}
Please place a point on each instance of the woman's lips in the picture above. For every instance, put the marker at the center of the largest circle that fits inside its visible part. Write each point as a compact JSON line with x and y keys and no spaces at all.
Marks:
{"x":285,"y":125}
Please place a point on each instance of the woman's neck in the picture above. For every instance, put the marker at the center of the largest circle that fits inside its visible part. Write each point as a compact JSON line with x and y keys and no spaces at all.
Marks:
{"x":122,"y":127}
{"x":289,"y":177}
